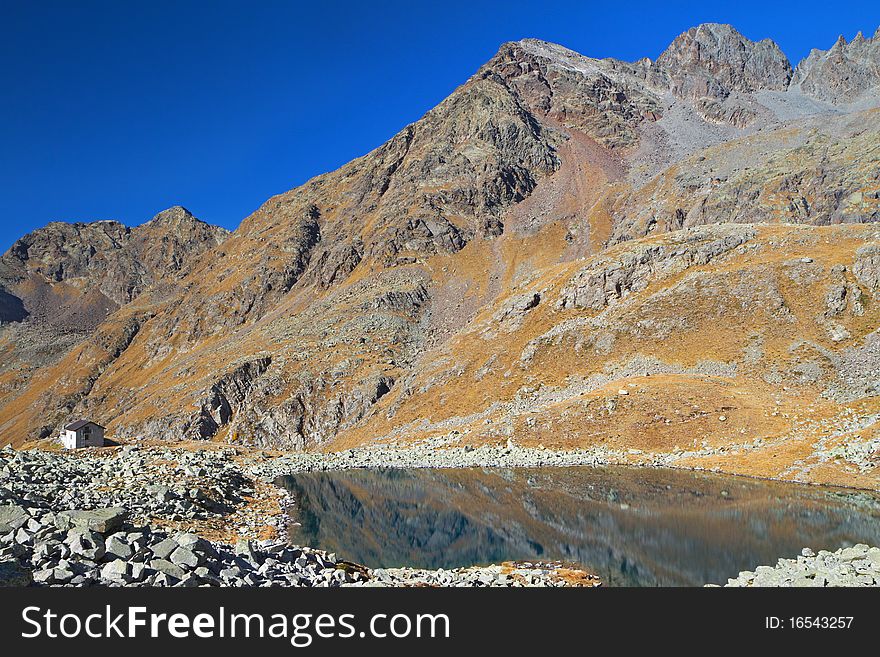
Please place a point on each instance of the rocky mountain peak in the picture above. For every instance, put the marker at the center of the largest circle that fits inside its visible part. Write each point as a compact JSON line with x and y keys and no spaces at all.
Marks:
{"x":604,"y":99}
{"x":60,"y":246}
{"x":176,"y":214}
{"x":713,"y":60}
{"x":842,"y":74}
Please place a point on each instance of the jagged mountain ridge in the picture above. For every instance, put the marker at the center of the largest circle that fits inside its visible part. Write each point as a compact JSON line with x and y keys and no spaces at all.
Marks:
{"x":845,"y":71}
{"x":106,"y":257}
{"x":315,"y":320}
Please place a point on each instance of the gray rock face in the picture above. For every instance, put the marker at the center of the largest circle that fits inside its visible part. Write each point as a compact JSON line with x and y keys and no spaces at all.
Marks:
{"x":597,"y":286}
{"x":843,"y":73}
{"x":226,"y":397}
{"x":604,"y":99}
{"x":510,"y":316}
{"x":867,"y":267}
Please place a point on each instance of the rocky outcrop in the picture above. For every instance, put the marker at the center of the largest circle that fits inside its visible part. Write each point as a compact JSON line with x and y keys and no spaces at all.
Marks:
{"x":337,"y":262}
{"x":510,"y":316}
{"x":611,"y":279}
{"x":225,"y":398}
{"x":309,"y":416}
{"x":867,"y":268}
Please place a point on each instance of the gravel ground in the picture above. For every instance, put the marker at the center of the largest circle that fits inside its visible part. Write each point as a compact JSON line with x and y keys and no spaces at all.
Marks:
{"x":156,"y":483}
{"x":99,"y":547}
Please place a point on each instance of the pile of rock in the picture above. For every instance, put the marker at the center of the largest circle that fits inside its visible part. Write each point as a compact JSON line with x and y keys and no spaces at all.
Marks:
{"x":100,"y":547}
{"x":852,"y":566}
{"x":170,"y":484}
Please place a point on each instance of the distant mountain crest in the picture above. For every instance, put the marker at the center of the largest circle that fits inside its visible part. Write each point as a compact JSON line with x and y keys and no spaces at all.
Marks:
{"x":90,"y":268}
{"x":844,"y":73}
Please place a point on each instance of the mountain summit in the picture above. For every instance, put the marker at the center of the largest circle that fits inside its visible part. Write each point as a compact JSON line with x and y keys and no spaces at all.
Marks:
{"x":698,"y":232}
{"x":714,"y":60}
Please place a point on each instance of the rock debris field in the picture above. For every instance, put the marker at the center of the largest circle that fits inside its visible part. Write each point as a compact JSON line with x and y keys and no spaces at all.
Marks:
{"x":176,"y":517}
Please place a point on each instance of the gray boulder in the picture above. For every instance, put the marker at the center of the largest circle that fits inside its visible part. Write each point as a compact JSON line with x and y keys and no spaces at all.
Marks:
{"x":167,"y":568}
{"x":164,"y":548}
{"x":85,"y":543}
{"x":117,"y":547}
{"x":12,"y":517}
{"x":116,"y":571}
{"x":103,"y":521}
{"x":185,"y":558}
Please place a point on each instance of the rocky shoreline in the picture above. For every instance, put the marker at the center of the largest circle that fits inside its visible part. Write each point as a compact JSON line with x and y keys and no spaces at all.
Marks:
{"x":90,"y":519}
{"x":858,"y":565}
{"x":428,"y":455}
{"x":438,"y":453}
{"x":140,"y":516}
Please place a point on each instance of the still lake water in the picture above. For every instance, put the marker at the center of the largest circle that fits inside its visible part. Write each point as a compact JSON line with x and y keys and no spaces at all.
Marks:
{"x":632,"y":527}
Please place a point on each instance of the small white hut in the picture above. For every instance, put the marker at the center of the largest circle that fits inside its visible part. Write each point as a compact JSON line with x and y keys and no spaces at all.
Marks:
{"x":82,"y":433}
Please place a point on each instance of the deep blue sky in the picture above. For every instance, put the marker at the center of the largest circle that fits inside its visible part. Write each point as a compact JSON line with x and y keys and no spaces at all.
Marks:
{"x":116,"y":110}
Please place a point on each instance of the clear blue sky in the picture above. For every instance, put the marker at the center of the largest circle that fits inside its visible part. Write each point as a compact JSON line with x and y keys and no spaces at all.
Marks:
{"x":116,"y":110}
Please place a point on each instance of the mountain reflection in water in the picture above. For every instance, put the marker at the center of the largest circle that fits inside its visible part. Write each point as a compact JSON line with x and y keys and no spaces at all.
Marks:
{"x":632,"y":527}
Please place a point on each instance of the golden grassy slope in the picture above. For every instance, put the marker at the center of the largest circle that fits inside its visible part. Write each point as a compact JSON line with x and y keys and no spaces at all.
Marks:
{"x":721,"y":340}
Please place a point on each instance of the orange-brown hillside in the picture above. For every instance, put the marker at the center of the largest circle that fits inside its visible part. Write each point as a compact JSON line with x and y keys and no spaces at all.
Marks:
{"x":567,"y":251}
